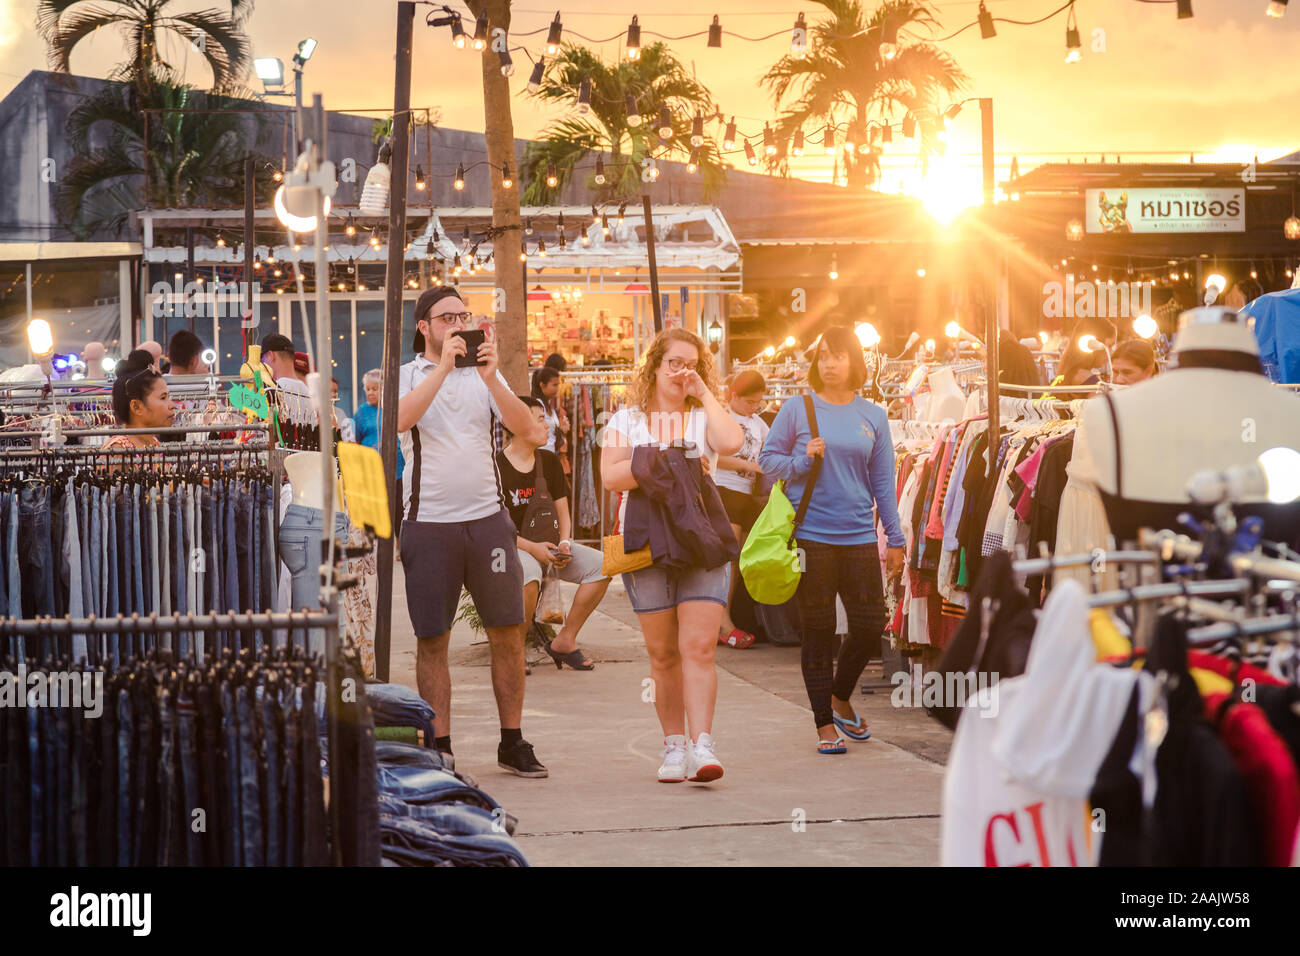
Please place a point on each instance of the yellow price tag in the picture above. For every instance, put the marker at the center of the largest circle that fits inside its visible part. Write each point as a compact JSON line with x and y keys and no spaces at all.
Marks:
{"x":362,"y":472}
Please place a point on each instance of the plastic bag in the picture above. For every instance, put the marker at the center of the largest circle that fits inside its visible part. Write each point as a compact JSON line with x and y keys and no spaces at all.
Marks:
{"x":550,"y":603}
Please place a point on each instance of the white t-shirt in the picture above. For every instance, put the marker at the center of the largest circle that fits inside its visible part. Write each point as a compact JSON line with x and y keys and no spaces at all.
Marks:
{"x":552,"y":428}
{"x":755,"y":430}
{"x":633,"y":425}
{"x":451,"y":466}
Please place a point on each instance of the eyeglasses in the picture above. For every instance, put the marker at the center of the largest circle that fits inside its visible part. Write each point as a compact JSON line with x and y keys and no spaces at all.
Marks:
{"x":676,"y":365}
{"x":454,"y":318}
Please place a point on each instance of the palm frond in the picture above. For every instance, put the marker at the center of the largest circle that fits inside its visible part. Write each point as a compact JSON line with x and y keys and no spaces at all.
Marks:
{"x":65,"y":32}
{"x":225,"y":46}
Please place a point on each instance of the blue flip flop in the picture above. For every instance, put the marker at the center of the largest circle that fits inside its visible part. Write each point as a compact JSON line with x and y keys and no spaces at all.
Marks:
{"x":838,"y":747}
{"x":854,"y":729}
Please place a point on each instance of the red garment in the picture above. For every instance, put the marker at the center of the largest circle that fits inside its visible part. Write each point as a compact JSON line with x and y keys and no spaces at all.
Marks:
{"x":1231,"y":669}
{"x":1270,"y":775}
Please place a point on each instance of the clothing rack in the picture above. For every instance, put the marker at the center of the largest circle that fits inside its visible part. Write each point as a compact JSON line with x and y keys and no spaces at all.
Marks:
{"x":1275,"y":624}
{"x":1155,"y":592}
{"x":111,"y":432}
{"x":173,"y":450}
{"x":1172,"y":545}
{"x":158,"y":623}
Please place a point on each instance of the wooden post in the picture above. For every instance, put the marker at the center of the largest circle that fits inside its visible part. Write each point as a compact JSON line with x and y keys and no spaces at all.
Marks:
{"x":654,"y":267}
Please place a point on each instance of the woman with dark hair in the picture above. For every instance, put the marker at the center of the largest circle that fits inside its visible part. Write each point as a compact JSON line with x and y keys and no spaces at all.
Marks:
{"x":1132,"y":362}
{"x":672,"y":399}
{"x":546,"y":389}
{"x":838,"y":536}
{"x":140,"y":400}
{"x":1016,"y":365}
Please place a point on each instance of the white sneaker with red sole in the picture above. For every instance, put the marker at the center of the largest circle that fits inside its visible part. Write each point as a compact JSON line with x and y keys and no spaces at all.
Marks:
{"x":673,"y":769}
{"x":702,"y":764}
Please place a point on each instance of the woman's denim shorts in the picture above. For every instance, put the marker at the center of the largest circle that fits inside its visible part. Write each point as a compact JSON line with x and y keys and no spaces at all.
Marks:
{"x":661,"y":589}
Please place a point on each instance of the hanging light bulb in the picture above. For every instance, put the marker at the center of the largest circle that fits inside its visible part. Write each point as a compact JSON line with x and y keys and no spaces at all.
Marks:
{"x":665,"y":123}
{"x":374,"y":239}
{"x":528,"y":226}
{"x":352,"y":266}
{"x":419,"y":178}
{"x":351,"y":227}
{"x":600,"y":171}
{"x":481,"y":32}
{"x":523,"y":256}
{"x":507,"y":64}
{"x":797,"y":147}
{"x":634,"y":39}
{"x":552,"y":179}
{"x":693,"y":164}
{"x":1291,"y":228}
{"x":460,"y":176}
{"x":799,"y":38}
{"x":888,"y":39}
{"x":729,"y":137}
{"x":541,"y":248}
{"x":697,"y":130}
{"x":507,"y":182}
{"x":909,"y":126}
{"x":886,"y":134}
{"x":851,"y":138}
{"x":715,"y":33}
{"x":835,"y":272}
{"x":584,"y":95}
{"x":535,"y":78}
{"x":1276,"y":9}
{"x":749,"y":154}
{"x":987,"y":30}
{"x":769,"y":141}
{"x":429,"y":249}
{"x":270,"y":256}
{"x":554,"y":35}
{"x":633,"y":111}
{"x":622,"y":208}
{"x":604,"y":223}
{"x":828,"y":141}
{"x":257,"y":262}
{"x":652,"y":169}
{"x":559,"y":222}
{"x":458,"y":38}
{"x":1072,"y":42}
{"x":221,"y":240}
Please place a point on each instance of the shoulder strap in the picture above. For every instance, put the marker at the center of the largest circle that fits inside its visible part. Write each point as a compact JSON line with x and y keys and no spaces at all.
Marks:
{"x":539,"y":473}
{"x":806,"y":499}
{"x":1114,"y":420}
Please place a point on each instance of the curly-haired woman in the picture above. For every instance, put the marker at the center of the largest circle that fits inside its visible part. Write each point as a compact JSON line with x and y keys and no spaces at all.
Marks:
{"x":673,"y":398}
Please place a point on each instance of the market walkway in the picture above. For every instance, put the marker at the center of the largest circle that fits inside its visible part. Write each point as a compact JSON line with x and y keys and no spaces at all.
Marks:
{"x":780,"y":802}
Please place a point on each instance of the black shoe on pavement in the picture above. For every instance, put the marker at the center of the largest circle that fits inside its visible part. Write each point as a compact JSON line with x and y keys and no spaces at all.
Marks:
{"x":520,"y":760}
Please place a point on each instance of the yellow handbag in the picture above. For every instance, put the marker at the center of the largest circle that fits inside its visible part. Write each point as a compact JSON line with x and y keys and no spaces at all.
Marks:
{"x":616,"y":559}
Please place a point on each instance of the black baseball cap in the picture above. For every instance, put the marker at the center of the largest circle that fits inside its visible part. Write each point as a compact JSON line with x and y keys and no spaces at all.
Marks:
{"x":275,"y":342}
{"x":427,"y":300}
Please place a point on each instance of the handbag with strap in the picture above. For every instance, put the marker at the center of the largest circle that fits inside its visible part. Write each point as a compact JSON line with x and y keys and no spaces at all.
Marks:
{"x":770,"y":566}
{"x":617,"y":560}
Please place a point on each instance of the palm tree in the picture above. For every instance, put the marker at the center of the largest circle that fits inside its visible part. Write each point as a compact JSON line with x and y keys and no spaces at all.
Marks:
{"x":844,"y":79}
{"x":655,"y":79}
{"x":189,"y":157}
{"x":216,"y":35}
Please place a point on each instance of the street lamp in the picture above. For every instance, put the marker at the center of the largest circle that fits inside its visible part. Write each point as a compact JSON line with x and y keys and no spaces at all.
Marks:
{"x":715,"y":336}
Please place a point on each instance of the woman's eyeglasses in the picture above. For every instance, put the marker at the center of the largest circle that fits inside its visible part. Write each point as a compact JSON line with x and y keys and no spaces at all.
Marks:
{"x":676,"y":365}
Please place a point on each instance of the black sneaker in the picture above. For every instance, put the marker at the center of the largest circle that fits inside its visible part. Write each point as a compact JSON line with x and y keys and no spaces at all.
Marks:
{"x":520,"y":760}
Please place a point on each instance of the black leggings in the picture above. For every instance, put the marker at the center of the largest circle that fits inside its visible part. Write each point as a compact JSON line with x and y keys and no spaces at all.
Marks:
{"x":853,"y":572}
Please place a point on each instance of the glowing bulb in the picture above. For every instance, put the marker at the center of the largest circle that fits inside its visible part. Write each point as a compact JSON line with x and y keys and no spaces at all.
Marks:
{"x":1042,"y":337}
{"x":929,"y":346}
{"x":789,"y":342}
{"x":1145,"y":326}
{"x":867,"y":335}
{"x":1281,"y":467}
{"x":1089,"y":343}
{"x":952,"y":330}
{"x":769,"y":352}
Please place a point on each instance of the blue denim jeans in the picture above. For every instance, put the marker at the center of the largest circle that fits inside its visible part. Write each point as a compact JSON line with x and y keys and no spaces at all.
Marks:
{"x":315,"y":851}
{"x":36,"y":560}
{"x":292,"y":778}
{"x":190,"y":788}
{"x":36,"y":772}
{"x":272,"y":736}
{"x":125,"y":798}
{"x":395,"y":705}
{"x":250,"y":800}
{"x":231,"y":815}
{"x":412,"y":842}
{"x":300,"y":549}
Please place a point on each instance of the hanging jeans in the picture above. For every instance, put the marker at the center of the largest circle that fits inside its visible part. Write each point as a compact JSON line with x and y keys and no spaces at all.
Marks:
{"x":191,"y":787}
{"x":36,"y":562}
{"x":230,"y":788}
{"x":250,"y":799}
{"x":300,"y":549}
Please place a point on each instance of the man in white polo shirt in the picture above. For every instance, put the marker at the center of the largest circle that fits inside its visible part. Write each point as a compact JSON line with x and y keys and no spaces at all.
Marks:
{"x":456,"y":529}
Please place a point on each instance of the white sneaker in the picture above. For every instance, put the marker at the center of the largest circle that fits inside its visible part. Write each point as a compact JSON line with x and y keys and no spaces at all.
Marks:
{"x":673,"y":769}
{"x":702,"y":766}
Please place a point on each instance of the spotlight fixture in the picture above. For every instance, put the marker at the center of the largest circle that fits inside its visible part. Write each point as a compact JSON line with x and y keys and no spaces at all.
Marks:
{"x":634,"y":39}
{"x":715,"y":33}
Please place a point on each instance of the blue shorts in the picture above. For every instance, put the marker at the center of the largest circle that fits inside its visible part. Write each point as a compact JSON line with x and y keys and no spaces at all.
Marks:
{"x":662,"y":589}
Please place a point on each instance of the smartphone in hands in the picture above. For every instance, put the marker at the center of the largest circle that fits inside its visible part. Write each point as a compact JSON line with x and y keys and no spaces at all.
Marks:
{"x":473,"y":339}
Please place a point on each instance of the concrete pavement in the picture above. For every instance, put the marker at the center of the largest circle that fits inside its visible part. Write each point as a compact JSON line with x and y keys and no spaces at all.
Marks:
{"x":779,"y":803}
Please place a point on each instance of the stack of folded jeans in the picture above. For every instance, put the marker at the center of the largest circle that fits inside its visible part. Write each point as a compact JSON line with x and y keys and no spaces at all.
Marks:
{"x":177,"y":763}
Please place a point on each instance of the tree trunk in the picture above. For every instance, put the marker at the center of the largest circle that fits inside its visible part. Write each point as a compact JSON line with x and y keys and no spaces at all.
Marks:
{"x":510,"y":304}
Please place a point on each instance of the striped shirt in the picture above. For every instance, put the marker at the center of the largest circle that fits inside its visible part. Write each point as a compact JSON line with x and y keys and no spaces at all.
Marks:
{"x":451,"y":471}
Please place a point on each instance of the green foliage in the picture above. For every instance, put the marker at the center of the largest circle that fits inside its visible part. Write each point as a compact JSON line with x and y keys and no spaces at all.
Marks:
{"x":845,"y":79}
{"x":655,"y":79}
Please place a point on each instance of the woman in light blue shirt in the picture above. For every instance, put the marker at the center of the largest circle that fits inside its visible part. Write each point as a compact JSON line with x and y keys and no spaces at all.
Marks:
{"x":838,"y":535}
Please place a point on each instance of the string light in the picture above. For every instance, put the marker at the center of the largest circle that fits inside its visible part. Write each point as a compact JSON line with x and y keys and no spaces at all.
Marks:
{"x":1185,"y":10}
{"x":828,"y":141}
{"x":633,"y":112}
{"x":221,"y":240}
{"x":1276,"y":9}
{"x":715,"y":34}
{"x":697,"y":130}
{"x":799,"y":38}
{"x":909,"y":126}
{"x":552,"y":178}
{"x":351,"y":227}
{"x":604,"y":223}
{"x":419,"y":178}
{"x":460,"y":177}
{"x":634,"y":40}
{"x":584,"y":95}
{"x":507,"y":64}
{"x":729,"y":137}
{"x":888,"y":39}
{"x":665,"y":123}
{"x":749,"y":154}
{"x":769,"y":141}
{"x":797,"y":147}
{"x":554,"y":35}
{"x":1072,"y":42}
{"x":458,"y":39}
{"x":535,"y":79}
{"x":506,"y":181}
{"x":600,"y":171}
{"x":834,"y":273}
{"x":987,"y":30}
{"x":481,"y":32}
{"x":693,"y":164}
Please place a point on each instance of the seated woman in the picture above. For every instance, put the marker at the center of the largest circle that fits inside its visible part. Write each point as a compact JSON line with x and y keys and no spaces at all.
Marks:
{"x":1132,"y":362}
{"x":140,"y":400}
{"x":519,"y":464}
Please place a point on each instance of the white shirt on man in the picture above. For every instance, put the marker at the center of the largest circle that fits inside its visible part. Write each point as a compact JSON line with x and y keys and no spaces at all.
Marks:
{"x":451,"y":471}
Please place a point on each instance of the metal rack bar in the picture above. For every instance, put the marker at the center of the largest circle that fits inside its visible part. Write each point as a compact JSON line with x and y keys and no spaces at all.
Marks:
{"x":1275,"y":624}
{"x":111,"y":432}
{"x":153,"y":624}
{"x":171,"y":450}
{"x":1152,"y":592}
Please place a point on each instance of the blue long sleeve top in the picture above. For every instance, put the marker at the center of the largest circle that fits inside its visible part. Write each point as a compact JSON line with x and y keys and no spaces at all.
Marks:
{"x":857,"y":471}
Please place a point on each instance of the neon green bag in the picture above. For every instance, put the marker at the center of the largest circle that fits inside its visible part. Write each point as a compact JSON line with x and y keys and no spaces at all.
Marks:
{"x":770,"y":566}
